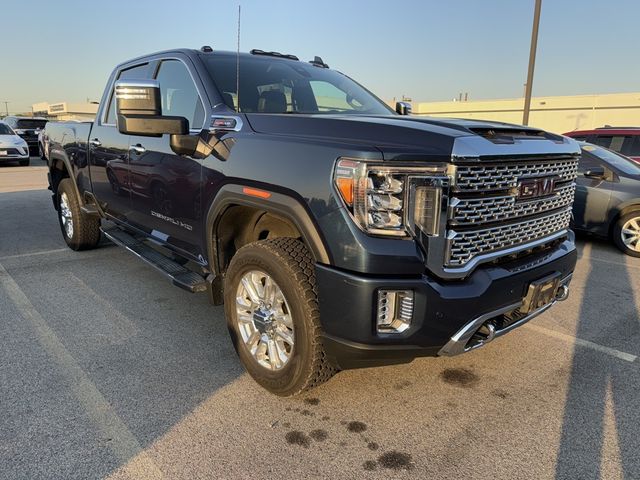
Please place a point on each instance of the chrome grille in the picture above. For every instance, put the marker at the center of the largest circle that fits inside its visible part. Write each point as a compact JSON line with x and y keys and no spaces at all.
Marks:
{"x":502,"y":176}
{"x":467,"y":211}
{"x":465,"y":245}
{"x":486,"y":218}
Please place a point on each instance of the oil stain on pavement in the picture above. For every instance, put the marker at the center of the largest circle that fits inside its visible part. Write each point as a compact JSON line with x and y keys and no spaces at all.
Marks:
{"x":391,"y":460}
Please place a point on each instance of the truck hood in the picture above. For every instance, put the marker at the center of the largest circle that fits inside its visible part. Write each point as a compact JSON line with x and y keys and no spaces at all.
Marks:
{"x":397,"y":137}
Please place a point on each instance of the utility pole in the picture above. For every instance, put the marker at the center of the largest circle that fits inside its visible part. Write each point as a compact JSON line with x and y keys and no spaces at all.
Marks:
{"x":6,"y":107}
{"x":532,"y":62}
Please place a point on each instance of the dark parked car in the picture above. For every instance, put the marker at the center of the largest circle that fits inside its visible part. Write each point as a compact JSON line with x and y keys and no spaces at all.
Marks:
{"x":28,"y":128}
{"x":624,"y":140}
{"x":607,"y":199}
{"x":337,"y":232}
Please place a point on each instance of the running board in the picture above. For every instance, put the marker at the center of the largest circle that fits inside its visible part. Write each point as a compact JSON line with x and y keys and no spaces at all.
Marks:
{"x":180,"y":276}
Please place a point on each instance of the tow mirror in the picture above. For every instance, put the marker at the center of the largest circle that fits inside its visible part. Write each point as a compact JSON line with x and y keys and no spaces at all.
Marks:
{"x":139,"y":110}
{"x":403,"y":108}
{"x":595,"y":172}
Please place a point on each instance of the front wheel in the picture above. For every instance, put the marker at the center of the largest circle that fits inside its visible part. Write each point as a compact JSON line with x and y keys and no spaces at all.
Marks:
{"x":80,"y":231}
{"x":24,"y":163}
{"x":273,"y":318}
{"x":626,"y":233}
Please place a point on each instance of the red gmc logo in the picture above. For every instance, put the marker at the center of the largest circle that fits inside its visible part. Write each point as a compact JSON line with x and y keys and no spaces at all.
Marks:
{"x":536,"y":187}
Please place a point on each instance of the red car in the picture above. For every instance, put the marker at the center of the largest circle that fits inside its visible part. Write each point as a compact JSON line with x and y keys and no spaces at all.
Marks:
{"x":624,"y":140}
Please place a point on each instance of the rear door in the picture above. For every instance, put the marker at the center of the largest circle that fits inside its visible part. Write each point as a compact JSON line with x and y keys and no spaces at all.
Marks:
{"x":165,"y":187}
{"x":109,"y":151}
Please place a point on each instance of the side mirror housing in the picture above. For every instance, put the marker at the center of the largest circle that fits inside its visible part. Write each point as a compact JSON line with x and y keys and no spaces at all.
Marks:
{"x":596,"y":172}
{"x":403,"y":108}
{"x":139,"y":110}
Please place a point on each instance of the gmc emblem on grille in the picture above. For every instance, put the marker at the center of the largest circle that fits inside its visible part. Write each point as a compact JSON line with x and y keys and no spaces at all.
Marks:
{"x":536,"y":187}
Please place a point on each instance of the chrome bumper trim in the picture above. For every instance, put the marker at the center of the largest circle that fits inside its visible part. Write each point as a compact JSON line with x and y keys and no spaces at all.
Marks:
{"x":458,"y":342}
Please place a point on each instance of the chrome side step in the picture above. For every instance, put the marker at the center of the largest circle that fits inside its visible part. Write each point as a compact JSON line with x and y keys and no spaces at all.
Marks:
{"x":180,"y":276}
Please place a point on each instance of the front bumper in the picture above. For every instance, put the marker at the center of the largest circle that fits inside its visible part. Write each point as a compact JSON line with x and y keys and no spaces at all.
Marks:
{"x":13,"y":154}
{"x":446,"y":314}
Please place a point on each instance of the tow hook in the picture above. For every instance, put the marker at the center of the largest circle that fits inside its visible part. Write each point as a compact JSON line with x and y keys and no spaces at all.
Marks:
{"x":562,"y":293}
{"x":483,"y":335}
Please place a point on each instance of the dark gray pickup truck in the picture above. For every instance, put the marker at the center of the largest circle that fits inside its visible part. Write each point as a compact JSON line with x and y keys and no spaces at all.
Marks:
{"x":337,"y":232}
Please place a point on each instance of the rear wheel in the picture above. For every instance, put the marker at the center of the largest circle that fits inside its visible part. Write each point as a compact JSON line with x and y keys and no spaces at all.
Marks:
{"x":272,"y":315}
{"x":626,"y":233}
{"x":80,"y":231}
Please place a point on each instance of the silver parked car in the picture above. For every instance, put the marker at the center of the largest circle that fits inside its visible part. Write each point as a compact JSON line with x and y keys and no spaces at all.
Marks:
{"x":12,"y":147}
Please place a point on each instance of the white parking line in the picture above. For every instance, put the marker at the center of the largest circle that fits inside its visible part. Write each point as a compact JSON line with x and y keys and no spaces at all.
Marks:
{"x":584,"y":343}
{"x":614,"y":263}
{"x":44,"y":252}
{"x":124,"y":445}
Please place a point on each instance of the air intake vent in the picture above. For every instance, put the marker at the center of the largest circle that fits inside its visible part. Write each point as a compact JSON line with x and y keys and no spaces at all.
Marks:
{"x":510,"y":135}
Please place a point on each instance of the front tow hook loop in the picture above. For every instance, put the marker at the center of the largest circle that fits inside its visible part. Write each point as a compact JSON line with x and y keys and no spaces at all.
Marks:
{"x":562,"y":293}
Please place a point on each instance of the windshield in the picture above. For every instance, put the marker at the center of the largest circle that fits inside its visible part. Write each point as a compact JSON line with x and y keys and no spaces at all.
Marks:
{"x":31,"y":124}
{"x":5,"y":129}
{"x":616,"y":160}
{"x":271,"y":85}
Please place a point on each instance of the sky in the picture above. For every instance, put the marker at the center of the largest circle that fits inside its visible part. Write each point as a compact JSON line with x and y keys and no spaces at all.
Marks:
{"x":428,"y":50}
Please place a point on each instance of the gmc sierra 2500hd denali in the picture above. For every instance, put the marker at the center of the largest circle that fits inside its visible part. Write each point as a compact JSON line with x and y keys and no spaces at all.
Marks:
{"x":337,"y":232}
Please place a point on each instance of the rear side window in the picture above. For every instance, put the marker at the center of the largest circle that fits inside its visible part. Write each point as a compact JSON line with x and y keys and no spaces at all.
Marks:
{"x":179,"y":94}
{"x":634,"y":147}
{"x":135,"y":73}
{"x":618,"y":143}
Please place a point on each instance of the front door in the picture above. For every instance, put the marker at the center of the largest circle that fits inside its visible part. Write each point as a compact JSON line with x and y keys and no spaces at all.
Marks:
{"x":165,"y":187}
{"x":109,"y":154}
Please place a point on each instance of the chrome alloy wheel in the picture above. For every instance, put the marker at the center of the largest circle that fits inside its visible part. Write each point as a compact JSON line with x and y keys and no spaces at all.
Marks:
{"x":66,"y":216}
{"x":264,"y":320}
{"x":631,"y":234}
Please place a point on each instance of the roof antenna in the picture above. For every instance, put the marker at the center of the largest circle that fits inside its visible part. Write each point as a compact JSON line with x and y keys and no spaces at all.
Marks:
{"x":238,"y":64}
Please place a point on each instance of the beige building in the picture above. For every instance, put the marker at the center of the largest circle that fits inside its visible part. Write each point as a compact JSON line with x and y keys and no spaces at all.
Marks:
{"x":555,"y":114}
{"x":65,"y":110}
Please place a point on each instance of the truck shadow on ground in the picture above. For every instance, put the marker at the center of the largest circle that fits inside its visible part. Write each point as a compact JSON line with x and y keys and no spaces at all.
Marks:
{"x":602,"y":399}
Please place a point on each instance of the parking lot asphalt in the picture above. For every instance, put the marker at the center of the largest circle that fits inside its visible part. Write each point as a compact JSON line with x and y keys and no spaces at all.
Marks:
{"x":108,"y":371}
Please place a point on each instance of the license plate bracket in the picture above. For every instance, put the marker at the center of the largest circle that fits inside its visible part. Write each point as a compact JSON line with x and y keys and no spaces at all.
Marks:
{"x":540,"y":293}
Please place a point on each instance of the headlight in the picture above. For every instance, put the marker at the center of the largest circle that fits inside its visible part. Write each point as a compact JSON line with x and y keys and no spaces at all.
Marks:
{"x":391,"y":201}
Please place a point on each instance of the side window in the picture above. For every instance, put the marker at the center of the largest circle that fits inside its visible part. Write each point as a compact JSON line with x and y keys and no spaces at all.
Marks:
{"x":634,"y":151}
{"x":617,"y":143}
{"x":629,"y":145}
{"x":587,"y":162}
{"x":135,"y":73}
{"x":179,"y":94}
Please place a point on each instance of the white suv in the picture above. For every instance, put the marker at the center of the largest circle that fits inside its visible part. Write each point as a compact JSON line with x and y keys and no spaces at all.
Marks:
{"x":12,"y":147}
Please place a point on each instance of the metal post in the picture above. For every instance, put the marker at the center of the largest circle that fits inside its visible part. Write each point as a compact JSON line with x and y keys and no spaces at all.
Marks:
{"x":6,"y":107}
{"x":532,"y":62}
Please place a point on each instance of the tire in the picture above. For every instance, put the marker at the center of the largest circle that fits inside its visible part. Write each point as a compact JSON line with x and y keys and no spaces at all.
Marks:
{"x":84,"y":230}
{"x":24,"y":163}
{"x":626,"y":233}
{"x":289,"y":265}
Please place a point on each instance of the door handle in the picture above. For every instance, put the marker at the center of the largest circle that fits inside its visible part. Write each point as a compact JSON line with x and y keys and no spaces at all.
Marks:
{"x":138,"y":149}
{"x":95,"y":142}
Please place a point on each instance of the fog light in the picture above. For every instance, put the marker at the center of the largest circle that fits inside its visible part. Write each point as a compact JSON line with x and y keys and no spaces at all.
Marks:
{"x":395,"y":310}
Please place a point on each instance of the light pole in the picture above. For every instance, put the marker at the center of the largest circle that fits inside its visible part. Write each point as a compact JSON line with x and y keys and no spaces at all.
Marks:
{"x":532,"y":62}
{"x":6,"y":107}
